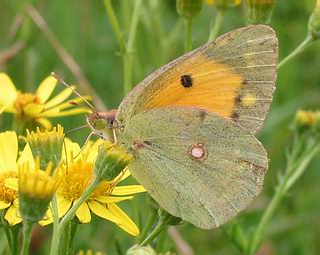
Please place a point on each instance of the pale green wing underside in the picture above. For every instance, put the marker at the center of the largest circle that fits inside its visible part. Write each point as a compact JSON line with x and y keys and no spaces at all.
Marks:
{"x":206,"y":192}
{"x":250,"y":52}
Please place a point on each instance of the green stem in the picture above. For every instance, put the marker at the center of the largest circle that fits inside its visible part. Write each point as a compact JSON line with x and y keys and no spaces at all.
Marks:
{"x":12,"y":233}
{"x":126,"y":50}
{"x":150,"y":223}
{"x":115,"y":25}
{"x":285,"y":184}
{"x":27,"y":234}
{"x":54,"y":210}
{"x":258,"y":234}
{"x":71,"y":213}
{"x":309,"y":155}
{"x":155,"y":232}
{"x":214,"y":31}
{"x":188,"y":33}
{"x":134,"y":25}
{"x":161,"y":241}
{"x":127,"y":58}
{"x":68,"y":237}
{"x":303,"y":46}
{"x":15,"y":234}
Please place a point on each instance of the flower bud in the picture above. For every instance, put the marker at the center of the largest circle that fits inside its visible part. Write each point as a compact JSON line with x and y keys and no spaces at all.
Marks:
{"x":223,"y":4}
{"x":47,"y":145}
{"x":314,"y":22}
{"x":189,"y":9}
{"x":308,"y":118}
{"x":141,"y":250}
{"x":111,"y":160}
{"x":259,"y":11}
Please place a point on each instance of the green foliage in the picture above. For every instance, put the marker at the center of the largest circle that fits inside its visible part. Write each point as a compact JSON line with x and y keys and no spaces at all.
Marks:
{"x":84,"y":30}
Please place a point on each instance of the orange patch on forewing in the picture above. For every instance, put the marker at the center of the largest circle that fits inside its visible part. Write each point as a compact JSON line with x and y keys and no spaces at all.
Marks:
{"x":214,"y":87}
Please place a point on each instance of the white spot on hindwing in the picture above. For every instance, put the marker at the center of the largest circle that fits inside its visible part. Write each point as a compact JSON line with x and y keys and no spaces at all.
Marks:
{"x":198,"y":152}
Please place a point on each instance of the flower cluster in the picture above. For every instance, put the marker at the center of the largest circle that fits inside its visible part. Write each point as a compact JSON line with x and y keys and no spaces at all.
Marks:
{"x":30,"y":109}
{"x":26,"y":188}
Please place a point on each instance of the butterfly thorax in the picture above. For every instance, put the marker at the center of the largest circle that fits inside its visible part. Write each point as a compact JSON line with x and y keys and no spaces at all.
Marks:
{"x":102,"y":123}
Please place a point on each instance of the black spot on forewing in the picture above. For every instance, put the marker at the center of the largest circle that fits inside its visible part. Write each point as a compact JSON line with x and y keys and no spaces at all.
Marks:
{"x":186,"y":81}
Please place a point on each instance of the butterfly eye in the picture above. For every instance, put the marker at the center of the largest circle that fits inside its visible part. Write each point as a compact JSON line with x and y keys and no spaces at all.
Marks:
{"x":100,"y":124}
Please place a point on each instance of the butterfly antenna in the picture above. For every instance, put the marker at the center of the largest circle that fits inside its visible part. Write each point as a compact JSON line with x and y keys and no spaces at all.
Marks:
{"x":76,"y":129}
{"x":59,"y":79}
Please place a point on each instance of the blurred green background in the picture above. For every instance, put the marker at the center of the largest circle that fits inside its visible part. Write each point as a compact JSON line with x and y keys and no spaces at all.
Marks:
{"x":83,"y":29}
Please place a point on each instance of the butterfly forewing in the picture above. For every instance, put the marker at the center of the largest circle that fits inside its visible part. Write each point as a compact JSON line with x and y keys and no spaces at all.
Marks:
{"x":196,"y":164}
{"x":233,"y":77}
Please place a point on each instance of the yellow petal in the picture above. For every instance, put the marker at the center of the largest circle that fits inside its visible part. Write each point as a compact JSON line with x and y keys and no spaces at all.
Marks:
{"x":11,"y":183}
{"x":12,"y":216}
{"x":8,"y":150}
{"x":124,"y":175}
{"x":9,"y":108}
{"x":26,"y":156}
{"x":92,"y":156}
{"x":61,"y":97}
{"x":107,"y":199}
{"x":45,"y":123}
{"x":33,"y":109}
{"x":124,"y":221}
{"x":83,"y":213}
{"x":4,"y":107}
{"x":101,"y":211}
{"x":4,"y":204}
{"x":46,"y":88}
{"x":72,"y":149}
{"x":66,"y":105}
{"x":128,"y":190}
{"x":63,"y":206}
{"x":8,"y":90}
{"x":63,"y":113}
{"x":93,"y":150}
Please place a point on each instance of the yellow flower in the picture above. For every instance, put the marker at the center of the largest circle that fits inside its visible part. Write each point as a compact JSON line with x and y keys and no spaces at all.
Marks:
{"x":36,"y":189}
{"x":8,"y":174}
{"x":38,"y":107}
{"x":308,"y":118}
{"x":80,"y":173}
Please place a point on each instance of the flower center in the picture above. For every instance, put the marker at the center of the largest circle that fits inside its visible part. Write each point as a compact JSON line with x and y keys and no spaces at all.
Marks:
{"x":6,"y":194}
{"x":79,"y":176}
{"x":23,"y":99}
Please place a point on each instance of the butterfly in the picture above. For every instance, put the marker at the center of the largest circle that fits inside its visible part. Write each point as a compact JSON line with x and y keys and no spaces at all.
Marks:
{"x":190,"y":126}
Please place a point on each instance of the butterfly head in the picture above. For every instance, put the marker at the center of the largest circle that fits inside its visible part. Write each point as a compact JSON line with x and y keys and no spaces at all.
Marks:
{"x":100,"y":121}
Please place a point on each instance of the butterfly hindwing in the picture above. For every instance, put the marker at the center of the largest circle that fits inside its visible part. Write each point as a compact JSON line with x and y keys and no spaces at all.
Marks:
{"x":196,"y":164}
{"x":233,"y":77}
